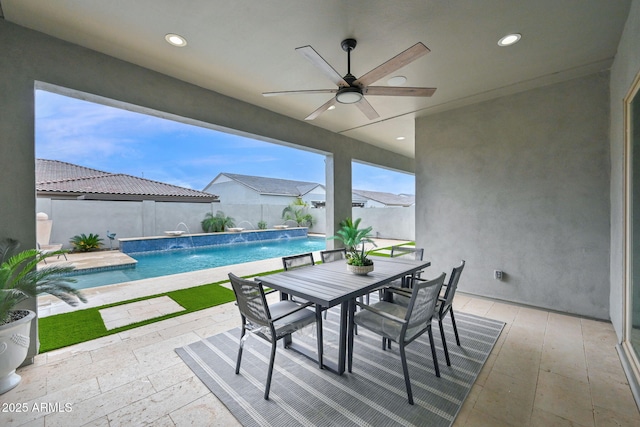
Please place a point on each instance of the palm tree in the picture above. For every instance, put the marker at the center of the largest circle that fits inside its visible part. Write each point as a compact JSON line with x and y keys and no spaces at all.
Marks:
{"x":296,"y":211}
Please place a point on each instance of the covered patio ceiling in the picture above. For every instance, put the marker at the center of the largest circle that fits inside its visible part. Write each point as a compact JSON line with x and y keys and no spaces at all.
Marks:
{"x":244,"y":48}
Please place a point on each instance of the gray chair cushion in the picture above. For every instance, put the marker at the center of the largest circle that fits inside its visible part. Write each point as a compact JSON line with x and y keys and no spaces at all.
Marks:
{"x":292,"y":322}
{"x":386,"y":327}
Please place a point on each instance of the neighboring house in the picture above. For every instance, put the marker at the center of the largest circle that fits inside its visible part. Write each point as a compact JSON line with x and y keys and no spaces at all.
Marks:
{"x":246,"y":189}
{"x":377,"y":199}
{"x":61,"y":180}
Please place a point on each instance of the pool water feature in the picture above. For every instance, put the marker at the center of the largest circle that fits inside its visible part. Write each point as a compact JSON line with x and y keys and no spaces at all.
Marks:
{"x":166,"y":262}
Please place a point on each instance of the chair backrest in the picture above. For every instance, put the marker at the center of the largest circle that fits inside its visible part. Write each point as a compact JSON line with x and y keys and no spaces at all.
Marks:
{"x":333,"y":255}
{"x":416,"y":253}
{"x":452,"y":285}
{"x":251,"y":300}
{"x":422,"y":304}
{"x":295,"y":261}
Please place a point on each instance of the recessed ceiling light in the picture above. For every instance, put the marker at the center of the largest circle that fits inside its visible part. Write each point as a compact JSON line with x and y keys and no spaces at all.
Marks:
{"x":397,"y":81}
{"x":176,"y":40}
{"x":333,"y":107}
{"x":509,"y":39}
{"x":400,"y":138}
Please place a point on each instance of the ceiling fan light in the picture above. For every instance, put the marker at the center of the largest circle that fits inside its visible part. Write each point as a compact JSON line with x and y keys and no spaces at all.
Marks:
{"x":349,"y":95}
{"x":397,"y":81}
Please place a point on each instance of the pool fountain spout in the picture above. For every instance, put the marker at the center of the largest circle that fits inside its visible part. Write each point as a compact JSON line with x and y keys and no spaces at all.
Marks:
{"x":188,"y":233}
{"x":250,"y":227}
{"x":185,"y":227}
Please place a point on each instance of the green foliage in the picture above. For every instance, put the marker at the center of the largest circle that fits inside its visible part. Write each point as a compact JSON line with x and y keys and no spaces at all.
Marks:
{"x":20,"y":278}
{"x":262,"y":225}
{"x":216,"y":223}
{"x":297,"y":211}
{"x":84,"y":243}
{"x":354,"y":240}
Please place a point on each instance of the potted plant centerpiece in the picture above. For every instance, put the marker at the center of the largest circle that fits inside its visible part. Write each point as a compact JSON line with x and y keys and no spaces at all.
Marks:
{"x":20,"y":279}
{"x":354,"y":240}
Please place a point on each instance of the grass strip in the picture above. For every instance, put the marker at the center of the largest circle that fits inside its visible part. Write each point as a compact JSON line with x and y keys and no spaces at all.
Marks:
{"x":386,"y":251}
{"x":66,"y":329}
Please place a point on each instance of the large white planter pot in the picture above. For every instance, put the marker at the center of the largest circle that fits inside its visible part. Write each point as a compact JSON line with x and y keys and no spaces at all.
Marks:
{"x":14,"y":343}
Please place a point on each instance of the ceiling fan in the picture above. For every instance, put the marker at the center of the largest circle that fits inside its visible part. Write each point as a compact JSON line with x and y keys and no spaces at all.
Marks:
{"x":351,"y":90}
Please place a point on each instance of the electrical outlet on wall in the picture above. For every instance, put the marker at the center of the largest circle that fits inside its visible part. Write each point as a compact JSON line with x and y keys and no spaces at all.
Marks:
{"x":497,"y":274}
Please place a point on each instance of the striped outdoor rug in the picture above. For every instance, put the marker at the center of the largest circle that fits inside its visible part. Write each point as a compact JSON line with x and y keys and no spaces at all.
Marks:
{"x":373,"y":394}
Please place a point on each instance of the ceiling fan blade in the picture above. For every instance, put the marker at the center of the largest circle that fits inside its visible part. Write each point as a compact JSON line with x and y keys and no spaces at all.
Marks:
{"x":298,"y":92}
{"x":324,"y":107}
{"x":398,"y":91}
{"x":394,"y":64}
{"x":317,"y":60}
{"x":367,"y":109}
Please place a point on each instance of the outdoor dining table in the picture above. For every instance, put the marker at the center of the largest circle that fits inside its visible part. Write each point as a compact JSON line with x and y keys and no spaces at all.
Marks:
{"x":329,"y":284}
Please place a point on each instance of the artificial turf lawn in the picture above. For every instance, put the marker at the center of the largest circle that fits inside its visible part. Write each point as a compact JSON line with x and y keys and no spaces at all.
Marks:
{"x":66,"y":329}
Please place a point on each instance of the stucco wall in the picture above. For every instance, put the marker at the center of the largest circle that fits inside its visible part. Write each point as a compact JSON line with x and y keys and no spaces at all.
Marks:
{"x":143,"y":219}
{"x":624,"y":70}
{"x":521,"y":184}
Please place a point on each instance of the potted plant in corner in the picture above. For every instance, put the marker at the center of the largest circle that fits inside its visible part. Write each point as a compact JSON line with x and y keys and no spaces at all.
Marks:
{"x":20,"y":279}
{"x":354,"y":240}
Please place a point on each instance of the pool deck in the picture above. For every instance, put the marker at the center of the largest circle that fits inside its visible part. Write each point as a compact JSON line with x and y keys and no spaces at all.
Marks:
{"x":109,"y":294}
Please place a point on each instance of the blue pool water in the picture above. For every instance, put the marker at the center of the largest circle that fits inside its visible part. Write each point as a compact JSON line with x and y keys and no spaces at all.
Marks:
{"x":164,"y":263}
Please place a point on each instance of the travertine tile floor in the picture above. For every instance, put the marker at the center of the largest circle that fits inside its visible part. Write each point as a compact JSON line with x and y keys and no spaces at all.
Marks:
{"x":547,"y":369}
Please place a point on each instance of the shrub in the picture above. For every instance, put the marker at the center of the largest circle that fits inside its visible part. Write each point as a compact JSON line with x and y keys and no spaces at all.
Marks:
{"x":216,"y":223}
{"x":262,"y":225}
{"x":84,"y":243}
{"x":297,"y":211}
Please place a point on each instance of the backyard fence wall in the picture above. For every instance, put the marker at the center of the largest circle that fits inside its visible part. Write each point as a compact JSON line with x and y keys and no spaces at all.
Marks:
{"x":149,"y":218}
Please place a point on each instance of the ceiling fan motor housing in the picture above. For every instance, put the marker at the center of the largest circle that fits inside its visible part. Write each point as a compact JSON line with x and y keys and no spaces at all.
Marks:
{"x":348,"y":44}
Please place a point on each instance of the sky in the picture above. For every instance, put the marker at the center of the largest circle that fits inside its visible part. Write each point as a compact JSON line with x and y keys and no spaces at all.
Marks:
{"x":121,"y":141}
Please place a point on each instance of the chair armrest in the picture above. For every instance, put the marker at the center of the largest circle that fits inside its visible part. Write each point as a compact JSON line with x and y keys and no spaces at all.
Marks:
{"x":400,"y":291}
{"x":301,"y":307}
{"x":381,"y":313}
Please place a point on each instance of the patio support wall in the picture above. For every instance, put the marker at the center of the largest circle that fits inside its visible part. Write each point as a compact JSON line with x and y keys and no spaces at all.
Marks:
{"x":521,"y":184}
{"x":29,"y":57}
{"x":338,"y":175}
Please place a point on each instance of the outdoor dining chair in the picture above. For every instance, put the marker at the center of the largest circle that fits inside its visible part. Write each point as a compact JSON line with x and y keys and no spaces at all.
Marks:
{"x":444,"y":306}
{"x":297,"y":261}
{"x":331,"y":255}
{"x":403,"y":282}
{"x":411,"y":252}
{"x":401,"y":324}
{"x":270,"y":322}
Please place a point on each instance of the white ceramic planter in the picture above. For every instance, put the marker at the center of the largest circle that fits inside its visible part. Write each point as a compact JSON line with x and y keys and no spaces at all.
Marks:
{"x":14,"y":343}
{"x":360,"y":270}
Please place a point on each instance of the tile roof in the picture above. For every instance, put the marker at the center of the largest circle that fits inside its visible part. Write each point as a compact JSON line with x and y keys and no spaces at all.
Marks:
{"x":53,"y":176}
{"x":274,"y":186}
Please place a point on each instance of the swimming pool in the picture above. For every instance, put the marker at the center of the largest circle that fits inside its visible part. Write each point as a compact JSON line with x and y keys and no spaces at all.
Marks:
{"x":164,"y":263}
